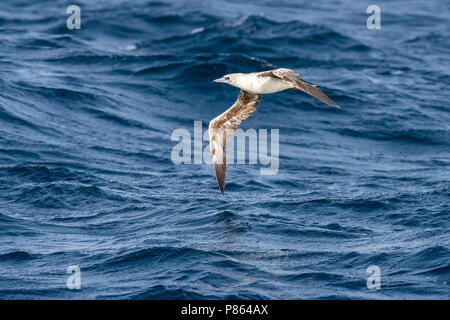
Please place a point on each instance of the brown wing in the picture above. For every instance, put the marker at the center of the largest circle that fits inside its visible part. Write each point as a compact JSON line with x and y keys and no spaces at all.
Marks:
{"x":222,"y":128}
{"x":316,"y":93}
{"x":294,"y":78}
{"x":283,"y":74}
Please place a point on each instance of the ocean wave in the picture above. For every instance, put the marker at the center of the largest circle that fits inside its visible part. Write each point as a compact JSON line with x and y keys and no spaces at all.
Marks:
{"x":17,"y":256}
{"x":86,"y":175}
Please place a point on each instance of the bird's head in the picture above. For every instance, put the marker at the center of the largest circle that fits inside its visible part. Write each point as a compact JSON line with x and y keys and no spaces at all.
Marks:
{"x":233,"y":79}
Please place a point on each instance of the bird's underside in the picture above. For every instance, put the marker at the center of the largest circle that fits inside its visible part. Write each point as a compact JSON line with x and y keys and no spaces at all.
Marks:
{"x":222,"y":128}
{"x":293,"y":78}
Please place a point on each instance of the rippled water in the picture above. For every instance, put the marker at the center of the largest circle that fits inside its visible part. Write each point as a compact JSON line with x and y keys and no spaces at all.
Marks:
{"x":86,"y":176}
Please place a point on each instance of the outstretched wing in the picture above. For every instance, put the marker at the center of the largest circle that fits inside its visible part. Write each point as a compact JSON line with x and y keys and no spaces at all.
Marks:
{"x":283,"y":74}
{"x":222,"y":128}
{"x":291,"y":76}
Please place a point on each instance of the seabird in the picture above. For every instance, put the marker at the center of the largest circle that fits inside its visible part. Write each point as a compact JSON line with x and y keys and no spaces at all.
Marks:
{"x":253,"y":86}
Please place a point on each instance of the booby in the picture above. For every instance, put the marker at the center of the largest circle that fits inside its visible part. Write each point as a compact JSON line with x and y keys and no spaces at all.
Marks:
{"x":253,"y":86}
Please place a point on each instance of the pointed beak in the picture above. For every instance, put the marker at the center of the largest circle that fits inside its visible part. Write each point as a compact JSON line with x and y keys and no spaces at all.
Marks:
{"x":223,"y":80}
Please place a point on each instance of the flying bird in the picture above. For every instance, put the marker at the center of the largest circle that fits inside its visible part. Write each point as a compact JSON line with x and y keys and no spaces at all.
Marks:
{"x":253,"y":86}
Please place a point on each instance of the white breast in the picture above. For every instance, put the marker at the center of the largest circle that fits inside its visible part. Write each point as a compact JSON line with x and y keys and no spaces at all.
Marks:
{"x":262,"y":85}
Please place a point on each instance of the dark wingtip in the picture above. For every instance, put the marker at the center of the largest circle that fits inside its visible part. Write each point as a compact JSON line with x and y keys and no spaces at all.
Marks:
{"x":219,"y":170}
{"x":222,"y":188}
{"x":336,"y":106}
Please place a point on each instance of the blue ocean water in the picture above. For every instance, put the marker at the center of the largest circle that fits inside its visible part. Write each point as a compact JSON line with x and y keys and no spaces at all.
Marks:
{"x":86,"y":176}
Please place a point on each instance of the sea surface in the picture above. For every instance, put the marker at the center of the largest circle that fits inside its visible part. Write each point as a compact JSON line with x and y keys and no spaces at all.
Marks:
{"x":86,"y":171}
